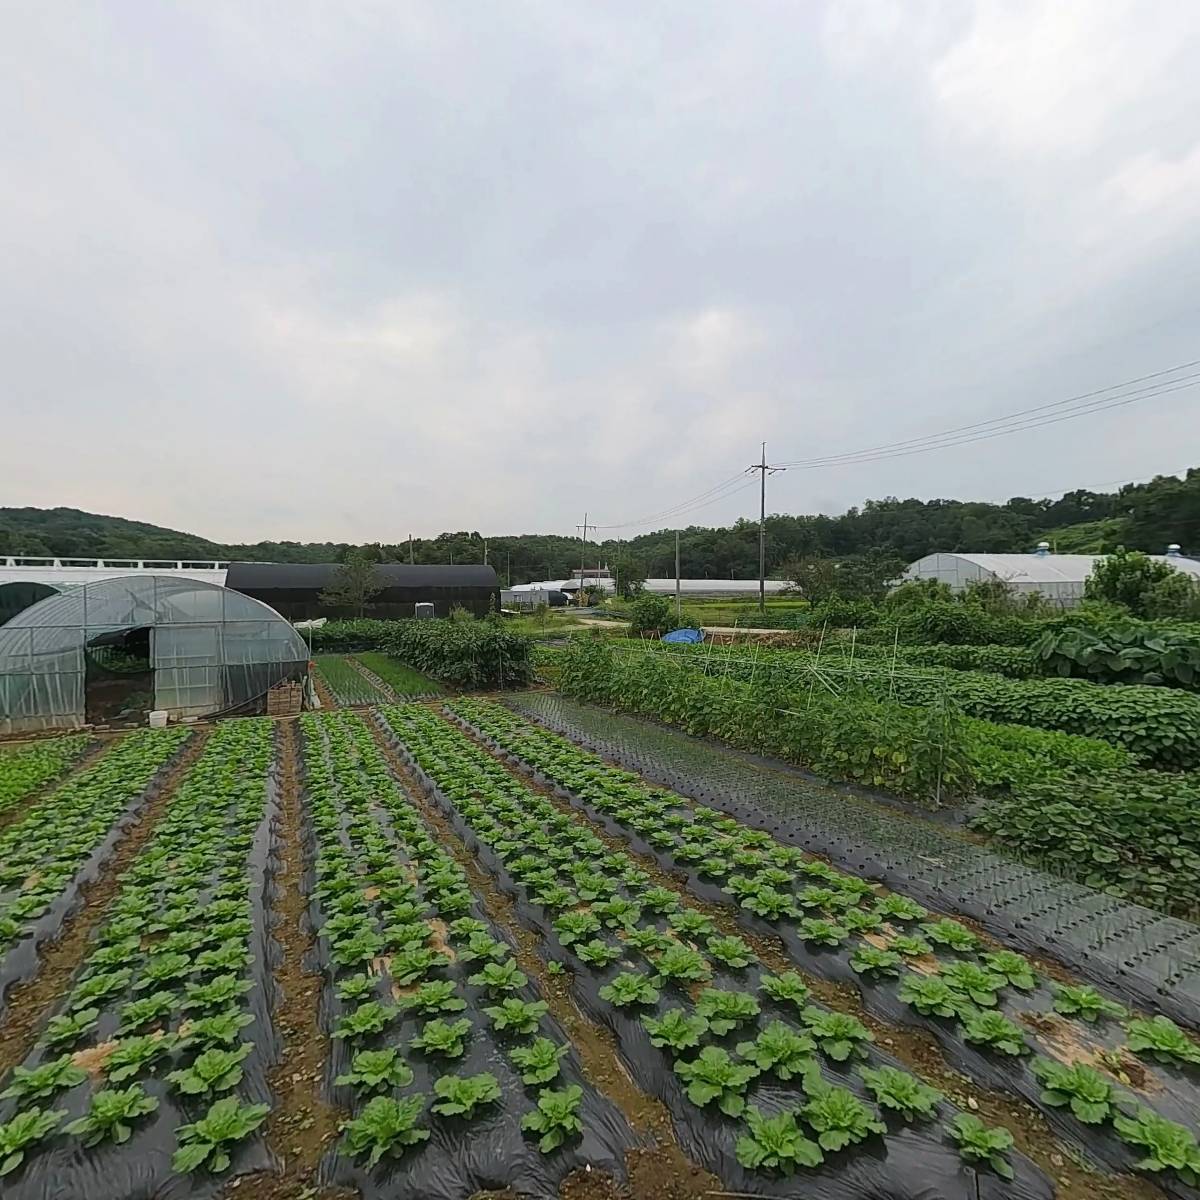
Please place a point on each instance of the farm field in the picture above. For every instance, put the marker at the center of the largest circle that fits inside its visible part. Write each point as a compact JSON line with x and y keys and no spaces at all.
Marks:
{"x":437,"y":950}
{"x":369,"y":677}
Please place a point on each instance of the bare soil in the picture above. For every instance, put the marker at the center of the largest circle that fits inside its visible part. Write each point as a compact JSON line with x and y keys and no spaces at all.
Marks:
{"x":919,"y":1052}
{"x":59,"y":959}
{"x":301,"y":1124}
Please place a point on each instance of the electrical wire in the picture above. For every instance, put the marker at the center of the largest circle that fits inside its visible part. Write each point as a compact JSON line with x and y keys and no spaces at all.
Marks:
{"x":1085,"y":402}
{"x":946,"y":442}
{"x":717,"y":492}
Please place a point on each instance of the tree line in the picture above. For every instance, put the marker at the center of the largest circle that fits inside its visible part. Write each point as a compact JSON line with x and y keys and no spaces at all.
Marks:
{"x":1144,"y":516}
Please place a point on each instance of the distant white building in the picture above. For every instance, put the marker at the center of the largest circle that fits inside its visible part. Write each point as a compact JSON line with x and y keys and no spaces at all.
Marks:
{"x":1058,"y":577}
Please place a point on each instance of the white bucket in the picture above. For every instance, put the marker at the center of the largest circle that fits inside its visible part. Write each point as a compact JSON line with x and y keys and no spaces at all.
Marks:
{"x":158,"y":719}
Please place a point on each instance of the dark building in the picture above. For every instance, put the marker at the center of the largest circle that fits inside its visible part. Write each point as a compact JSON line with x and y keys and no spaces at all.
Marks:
{"x":294,"y":589}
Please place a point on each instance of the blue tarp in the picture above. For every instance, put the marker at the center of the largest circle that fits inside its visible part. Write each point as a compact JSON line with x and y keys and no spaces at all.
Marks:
{"x":688,"y":636}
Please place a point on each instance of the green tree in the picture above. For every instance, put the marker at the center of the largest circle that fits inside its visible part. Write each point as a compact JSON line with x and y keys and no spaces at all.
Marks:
{"x":631,"y":576}
{"x":355,"y":584}
{"x":651,"y":614}
{"x":1128,"y":578}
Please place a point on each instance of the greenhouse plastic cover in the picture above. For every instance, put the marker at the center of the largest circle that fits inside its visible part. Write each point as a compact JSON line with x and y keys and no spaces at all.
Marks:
{"x":211,"y":649}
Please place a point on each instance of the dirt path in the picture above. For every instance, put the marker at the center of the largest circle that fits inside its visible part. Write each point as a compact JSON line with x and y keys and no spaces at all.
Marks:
{"x":918,"y":1052}
{"x":659,"y":1172}
{"x":60,"y":958}
{"x":302,"y":1123}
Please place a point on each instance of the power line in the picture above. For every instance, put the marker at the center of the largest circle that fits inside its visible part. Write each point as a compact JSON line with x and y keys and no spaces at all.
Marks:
{"x":1085,"y":402}
{"x":945,"y":441}
{"x":717,"y":492}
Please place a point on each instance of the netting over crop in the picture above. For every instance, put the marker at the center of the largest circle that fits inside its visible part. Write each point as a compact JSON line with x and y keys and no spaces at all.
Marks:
{"x":193,"y":648}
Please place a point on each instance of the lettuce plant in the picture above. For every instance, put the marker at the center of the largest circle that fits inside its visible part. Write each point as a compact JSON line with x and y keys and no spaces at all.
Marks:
{"x":1015,"y":969}
{"x":910,"y":945}
{"x":213,"y":1071}
{"x":517,"y":1016}
{"x":900,"y":1092}
{"x":1083,"y":1001}
{"x":598,"y":953}
{"x":932,"y":996}
{"x":111,"y":1113}
{"x":894,"y":907}
{"x":556,"y":1117}
{"x":1168,"y":1146}
{"x":786,"y":988}
{"x":26,"y":1128}
{"x":690,"y":922}
{"x":630,"y":988}
{"x":822,"y":932}
{"x":207,"y":1142}
{"x":993,"y":1030}
{"x":37,"y":1083}
{"x":373,"y":1070}
{"x":678,"y":962}
{"x":838,"y":1117}
{"x":839,"y":1035}
{"x":726,"y":1010}
{"x":732,"y":951}
{"x":496,"y":978}
{"x":951,"y":934}
{"x":776,"y":1143}
{"x":445,"y":1038}
{"x":870,"y":960}
{"x":539,"y":1061}
{"x":386,"y":1126}
{"x":220,"y":1030}
{"x":779,"y":1049}
{"x":977,"y":1143}
{"x":460,"y":1096}
{"x":676,"y":1029}
{"x":1090,"y":1096}
{"x":438,"y":995}
{"x":714,"y":1076}
{"x":1162,"y":1039}
{"x":976,"y":983}
{"x":68,"y":1028}
{"x":371,"y":1017}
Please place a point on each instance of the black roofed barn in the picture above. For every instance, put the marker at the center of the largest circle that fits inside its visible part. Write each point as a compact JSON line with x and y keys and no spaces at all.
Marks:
{"x":294,"y":589}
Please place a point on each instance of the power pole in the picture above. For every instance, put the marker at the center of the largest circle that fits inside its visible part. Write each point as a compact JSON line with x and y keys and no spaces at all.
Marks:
{"x":762,"y":525}
{"x":411,"y":560}
{"x":677,"y":576}
{"x":485,"y":552}
{"x":583,"y":529}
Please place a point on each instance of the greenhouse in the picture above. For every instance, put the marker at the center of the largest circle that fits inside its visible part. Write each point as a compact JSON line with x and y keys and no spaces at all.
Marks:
{"x":1057,"y":577}
{"x":115,"y":650}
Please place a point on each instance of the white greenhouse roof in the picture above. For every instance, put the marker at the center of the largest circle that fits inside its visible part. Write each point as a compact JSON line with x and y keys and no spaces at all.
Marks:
{"x":1044,"y":568}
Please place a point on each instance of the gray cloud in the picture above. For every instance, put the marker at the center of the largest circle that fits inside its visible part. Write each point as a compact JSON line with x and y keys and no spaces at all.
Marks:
{"x":359,"y":269}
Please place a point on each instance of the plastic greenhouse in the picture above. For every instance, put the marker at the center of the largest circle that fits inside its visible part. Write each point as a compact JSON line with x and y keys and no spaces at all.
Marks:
{"x":120,"y":648}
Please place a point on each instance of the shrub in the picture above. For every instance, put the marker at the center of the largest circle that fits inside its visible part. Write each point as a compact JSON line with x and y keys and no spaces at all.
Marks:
{"x":650,"y":614}
{"x":467,"y":654}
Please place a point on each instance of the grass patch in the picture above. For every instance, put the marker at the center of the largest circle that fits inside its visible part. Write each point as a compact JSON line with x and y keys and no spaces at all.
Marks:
{"x":403,"y":680}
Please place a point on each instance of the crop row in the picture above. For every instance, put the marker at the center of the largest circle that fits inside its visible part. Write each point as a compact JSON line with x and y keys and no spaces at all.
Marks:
{"x":148,"y":1045}
{"x":437,"y":1030}
{"x":348,"y":685}
{"x":1053,"y":797}
{"x":1158,"y":726}
{"x":977,"y":1000}
{"x":27,"y":768}
{"x":41,"y":854}
{"x":759,"y":1075}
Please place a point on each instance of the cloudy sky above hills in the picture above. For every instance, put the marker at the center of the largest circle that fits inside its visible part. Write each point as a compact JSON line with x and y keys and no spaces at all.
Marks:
{"x":354,"y":270}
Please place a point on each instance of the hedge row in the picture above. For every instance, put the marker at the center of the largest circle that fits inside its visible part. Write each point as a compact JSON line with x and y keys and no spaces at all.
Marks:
{"x":1065,"y":801}
{"x":343,"y":637}
{"x":467,"y":654}
{"x":1160,"y":727}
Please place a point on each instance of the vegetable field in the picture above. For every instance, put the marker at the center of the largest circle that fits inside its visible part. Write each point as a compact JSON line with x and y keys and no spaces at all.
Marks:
{"x":434,"y":950}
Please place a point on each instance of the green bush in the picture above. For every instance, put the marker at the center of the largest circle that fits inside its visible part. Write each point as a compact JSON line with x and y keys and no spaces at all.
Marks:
{"x":1159,"y":726}
{"x":1126,"y":652}
{"x":1144,"y":586}
{"x":340,"y":637}
{"x":650,"y":614}
{"x":468,"y":654}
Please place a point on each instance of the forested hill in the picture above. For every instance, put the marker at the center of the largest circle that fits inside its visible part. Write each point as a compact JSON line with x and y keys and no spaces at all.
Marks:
{"x":1140,"y":516}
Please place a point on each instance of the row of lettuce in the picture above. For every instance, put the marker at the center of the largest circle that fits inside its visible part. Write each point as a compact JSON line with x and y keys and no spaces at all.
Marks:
{"x":1080,"y":805}
{"x":27,"y":768}
{"x":150,"y":1043}
{"x":728,"y":1025}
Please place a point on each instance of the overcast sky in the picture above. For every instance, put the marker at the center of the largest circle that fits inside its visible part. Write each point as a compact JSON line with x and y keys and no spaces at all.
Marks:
{"x":351,"y":270}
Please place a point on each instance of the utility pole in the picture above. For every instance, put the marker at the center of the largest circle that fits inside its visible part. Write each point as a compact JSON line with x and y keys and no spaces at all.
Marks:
{"x":677,"y":576}
{"x":762,"y":525}
{"x":485,"y":552}
{"x":411,"y":560}
{"x":583,"y":529}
